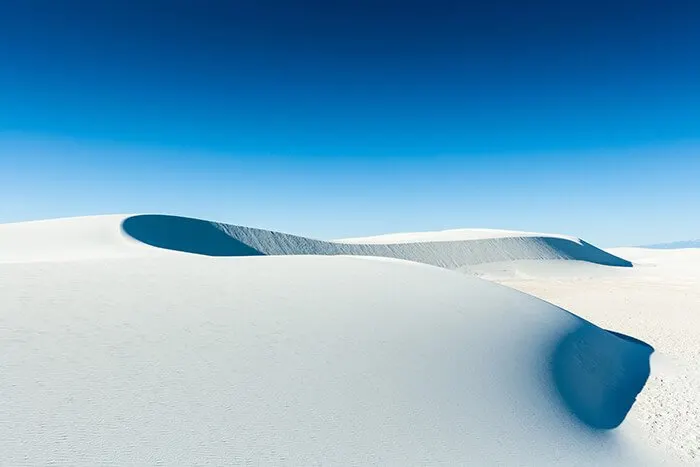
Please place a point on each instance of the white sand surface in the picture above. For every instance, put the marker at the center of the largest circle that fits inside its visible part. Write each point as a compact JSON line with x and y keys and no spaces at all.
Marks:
{"x":171,"y":342}
{"x":657,"y":301}
{"x":450,"y":235}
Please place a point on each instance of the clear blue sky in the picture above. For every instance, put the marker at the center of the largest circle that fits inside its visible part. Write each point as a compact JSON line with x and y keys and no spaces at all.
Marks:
{"x":361,"y":117}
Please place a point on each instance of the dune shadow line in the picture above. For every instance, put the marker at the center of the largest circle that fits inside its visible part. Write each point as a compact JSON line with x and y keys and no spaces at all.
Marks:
{"x":599,"y":374}
{"x":215,"y":239}
{"x":185,"y":235}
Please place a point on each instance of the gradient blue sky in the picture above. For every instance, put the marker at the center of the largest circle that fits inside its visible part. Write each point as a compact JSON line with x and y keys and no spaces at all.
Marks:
{"x":349,"y":118}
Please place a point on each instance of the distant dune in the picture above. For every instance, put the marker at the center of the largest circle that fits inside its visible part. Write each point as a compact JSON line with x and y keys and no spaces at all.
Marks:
{"x":81,"y":237}
{"x":674,"y":245}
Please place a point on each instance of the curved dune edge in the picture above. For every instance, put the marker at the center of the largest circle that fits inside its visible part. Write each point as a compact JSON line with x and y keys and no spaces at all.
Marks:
{"x":612,"y":368}
{"x":599,"y":374}
{"x":314,"y":359}
{"x":215,"y":239}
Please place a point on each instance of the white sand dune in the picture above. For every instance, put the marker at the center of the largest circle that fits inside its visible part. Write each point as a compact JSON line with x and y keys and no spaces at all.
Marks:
{"x":658,"y":301}
{"x":68,"y":239}
{"x":452,"y":235}
{"x":125,"y":235}
{"x":675,"y":245}
{"x":119,"y":352}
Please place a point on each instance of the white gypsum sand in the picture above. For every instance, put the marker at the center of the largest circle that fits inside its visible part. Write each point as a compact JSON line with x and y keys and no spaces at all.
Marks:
{"x":122,"y":347}
{"x":121,"y":235}
{"x":657,"y":301}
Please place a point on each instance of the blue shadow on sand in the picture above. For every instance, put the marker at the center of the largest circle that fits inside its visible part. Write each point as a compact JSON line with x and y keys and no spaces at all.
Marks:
{"x":186,"y":235}
{"x":599,"y":374}
{"x":214,"y":239}
{"x":587,"y":252}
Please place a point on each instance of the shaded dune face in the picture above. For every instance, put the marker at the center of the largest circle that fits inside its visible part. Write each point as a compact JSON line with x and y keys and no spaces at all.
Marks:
{"x":599,"y":374}
{"x":185,"y":235}
{"x":215,"y":239}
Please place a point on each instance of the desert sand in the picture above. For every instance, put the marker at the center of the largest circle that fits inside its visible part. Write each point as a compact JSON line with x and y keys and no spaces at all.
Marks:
{"x":658,"y":301}
{"x":132,"y":340}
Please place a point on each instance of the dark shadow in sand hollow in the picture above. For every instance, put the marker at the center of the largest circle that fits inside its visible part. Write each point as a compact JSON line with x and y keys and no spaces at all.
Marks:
{"x":185,"y":235}
{"x":599,"y":374}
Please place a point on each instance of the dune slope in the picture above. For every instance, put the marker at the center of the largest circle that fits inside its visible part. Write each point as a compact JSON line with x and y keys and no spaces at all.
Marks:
{"x":656,"y":301}
{"x":127,"y":236}
{"x":303,"y":360}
